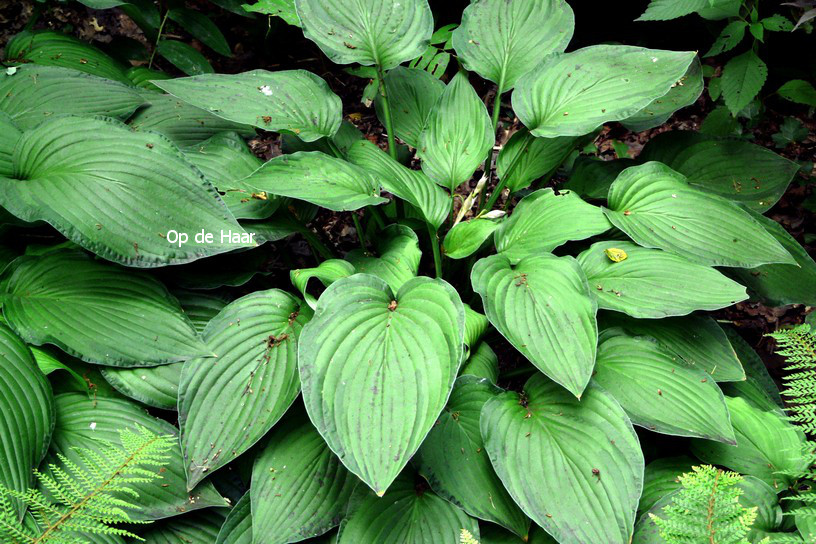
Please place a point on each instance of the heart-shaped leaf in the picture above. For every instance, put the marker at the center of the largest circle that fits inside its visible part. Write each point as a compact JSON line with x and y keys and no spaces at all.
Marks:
{"x":571,"y":94}
{"x":503,"y":40}
{"x":293,"y":100}
{"x":409,"y":513}
{"x":544,"y":220}
{"x":83,"y":422}
{"x":118,"y":193}
{"x":412,"y":94}
{"x":184,"y":124}
{"x":651,"y":283}
{"x":369,"y":32}
{"x":48,"y":48}
{"x":698,"y":340}
{"x":26,"y":414}
{"x":656,"y":207}
{"x":34,"y":93}
{"x":410,"y":185}
{"x":318,"y":178}
{"x":299,"y":487}
{"x":465,"y":238}
{"x":98,"y":312}
{"x":457,"y":135}
{"x":453,"y":460}
{"x":574,"y":466}
{"x":155,"y":386}
{"x":525,"y":158}
{"x":228,"y":402}
{"x":767,"y":447}
{"x":735,"y":169}
{"x":659,"y":391}
{"x":543,"y":307}
{"x":410,"y":348}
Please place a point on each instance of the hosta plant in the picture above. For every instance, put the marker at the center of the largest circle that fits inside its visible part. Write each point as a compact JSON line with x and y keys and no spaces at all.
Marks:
{"x":362,"y":400}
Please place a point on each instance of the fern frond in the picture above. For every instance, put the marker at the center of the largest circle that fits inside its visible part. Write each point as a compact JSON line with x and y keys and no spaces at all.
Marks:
{"x":798,"y":346}
{"x":86,"y":495}
{"x":706,"y":509}
{"x":467,"y":538}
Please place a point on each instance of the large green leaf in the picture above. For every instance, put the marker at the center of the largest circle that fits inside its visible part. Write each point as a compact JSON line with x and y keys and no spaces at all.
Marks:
{"x":9,"y":136}
{"x":396,"y":259}
{"x":292,"y":100}
{"x":225,"y":160}
{"x":184,"y":56}
{"x":97,"y":311}
{"x":369,"y":32}
{"x":781,"y":284}
{"x":476,"y":325}
{"x":49,"y":48}
{"x":202,"y":28}
{"x":571,"y":94}
{"x":412,"y":94}
{"x":34,"y":93}
{"x":299,"y":487}
{"x":118,"y":193}
{"x":684,"y":93}
{"x":659,"y":391}
{"x":530,"y":158}
{"x":457,"y":135}
{"x":237,"y":528}
{"x":196,"y":528}
{"x":482,"y":363}
{"x":83,"y":422}
{"x":660,"y":479}
{"x":696,"y":339}
{"x":574,"y":466}
{"x":738,"y":170}
{"x":328,"y":272}
{"x":26,"y":414}
{"x":651,"y":283}
{"x":656,"y":207}
{"x":543,"y":307}
{"x":453,"y":460}
{"x":767,"y":445}
{"x":590,"y":178}
{"x":184,"y":124}
{"x":502,"y":40}
{"x":410,"y":185}
{"x":318,"y":178}
{"x":228,"y":402}
{"x":544,"y":220}
{"x":377,"y":369}
{"x":155,"y":386}
{"x":664,"y":10}
{"x":466,"y":237}
{"x":408,"y":514}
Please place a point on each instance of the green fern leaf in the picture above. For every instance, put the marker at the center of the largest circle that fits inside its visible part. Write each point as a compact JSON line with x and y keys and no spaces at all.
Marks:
{"x":85,"y":498}
{"x":706,"y":509}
